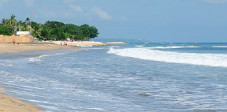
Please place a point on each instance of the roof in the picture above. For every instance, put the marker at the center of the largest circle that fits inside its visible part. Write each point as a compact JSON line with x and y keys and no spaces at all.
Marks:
{"x":22,"y":33}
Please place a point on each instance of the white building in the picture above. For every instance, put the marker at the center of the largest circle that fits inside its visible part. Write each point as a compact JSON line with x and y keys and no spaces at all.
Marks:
{"x":17,"y":33}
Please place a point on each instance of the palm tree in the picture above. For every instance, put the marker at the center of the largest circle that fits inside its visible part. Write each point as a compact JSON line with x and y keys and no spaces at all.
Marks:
{"x":27,"y":22}
{"x":36,"y":31}
{"x":3,"y":21}
{"x":10,"y":23}
{"x":19,"y":25}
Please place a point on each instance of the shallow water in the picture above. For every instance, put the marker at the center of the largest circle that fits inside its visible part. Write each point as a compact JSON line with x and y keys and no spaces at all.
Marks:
{"x":102,"y":79}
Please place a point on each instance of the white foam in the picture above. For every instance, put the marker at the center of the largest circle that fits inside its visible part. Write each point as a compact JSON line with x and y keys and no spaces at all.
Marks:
{"x":219,"y":46}
{"x":5,"y":64}
{"x":97,"y":109}
{"x":5,"y":73}
{"x":172,"y":47}
{"x":139,"y":46}
{"x":36,"y":59}
{"x":173,"y":57}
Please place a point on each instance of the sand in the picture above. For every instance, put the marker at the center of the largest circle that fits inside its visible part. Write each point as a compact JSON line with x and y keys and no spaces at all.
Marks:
{"x":10,"y":104}
{"x":10,"y":48}
{"x":1,"y":89}
{"x":84,"y":43}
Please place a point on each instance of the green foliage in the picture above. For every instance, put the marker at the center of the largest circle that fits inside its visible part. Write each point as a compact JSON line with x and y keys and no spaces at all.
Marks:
{"x":54,"y":24}
{"x":4,"y":30}
{"x":52,"y":30}
{"x":93,"y":32}
{"x":10,"y":23}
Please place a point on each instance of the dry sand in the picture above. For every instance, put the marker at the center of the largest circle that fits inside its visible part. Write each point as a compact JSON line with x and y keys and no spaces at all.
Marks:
{"x":47,"y":45}
{"x":84,"y":43}
{"x":10,"y":48}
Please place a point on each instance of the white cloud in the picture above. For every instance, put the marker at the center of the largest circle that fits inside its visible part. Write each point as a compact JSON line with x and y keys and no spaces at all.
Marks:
{"x":73,"y":7}
{"x":102,"y":14}
{"x":29,"y":3}
{"x":215,"y":1}
{"x":76,"y":8}
{"x":53,"y":14}
{"x":86,"y":13}
{"x":124,"y":19}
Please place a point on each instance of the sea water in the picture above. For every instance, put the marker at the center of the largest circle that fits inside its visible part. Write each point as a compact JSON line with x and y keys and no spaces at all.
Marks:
{"x":138,"y":77}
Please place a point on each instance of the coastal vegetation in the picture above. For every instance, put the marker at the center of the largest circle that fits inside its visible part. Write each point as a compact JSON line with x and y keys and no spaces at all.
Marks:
{"x":50,"y":30}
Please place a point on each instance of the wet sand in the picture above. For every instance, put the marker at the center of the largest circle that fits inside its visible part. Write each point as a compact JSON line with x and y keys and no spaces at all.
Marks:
{"x":1,"y":89}
{"x":10,"y":104}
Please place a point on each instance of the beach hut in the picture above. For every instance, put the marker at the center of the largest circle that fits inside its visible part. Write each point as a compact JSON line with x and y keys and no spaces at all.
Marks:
{"x":26,"y":33}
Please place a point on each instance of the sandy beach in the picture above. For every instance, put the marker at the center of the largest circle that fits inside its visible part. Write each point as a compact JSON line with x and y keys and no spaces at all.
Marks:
{"x":10,"y":48}
{"x":85,"y":43}
{"x":10,"y":104}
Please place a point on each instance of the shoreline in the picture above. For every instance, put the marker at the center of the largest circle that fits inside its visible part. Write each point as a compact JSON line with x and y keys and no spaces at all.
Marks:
{"x":84,"y":43}
{"x":10,"y":48}
{"x":12,"y":104}
{"x":49,"y":45}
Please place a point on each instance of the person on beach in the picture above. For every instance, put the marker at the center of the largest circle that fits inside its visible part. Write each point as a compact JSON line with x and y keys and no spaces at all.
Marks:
{"x":18,"y":43}
{"x":14,"y":42}
{"x":65,"y":43}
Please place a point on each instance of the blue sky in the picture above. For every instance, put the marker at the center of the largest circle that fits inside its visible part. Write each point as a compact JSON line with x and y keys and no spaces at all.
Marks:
{"x":154,"y":20}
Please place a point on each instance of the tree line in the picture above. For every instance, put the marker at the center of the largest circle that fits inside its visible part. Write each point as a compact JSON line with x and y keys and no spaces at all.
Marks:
{"x":51,"y":30}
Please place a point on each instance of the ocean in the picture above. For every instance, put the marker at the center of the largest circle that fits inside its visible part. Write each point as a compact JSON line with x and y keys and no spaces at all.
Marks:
{"x":137,"y":77}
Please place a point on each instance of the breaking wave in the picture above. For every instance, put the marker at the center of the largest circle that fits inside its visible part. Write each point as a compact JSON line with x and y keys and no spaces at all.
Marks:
{"x":206,"y":59}
{"x":36,"y":59}
{"x":219,"y":46}
{"x":172,"y":47}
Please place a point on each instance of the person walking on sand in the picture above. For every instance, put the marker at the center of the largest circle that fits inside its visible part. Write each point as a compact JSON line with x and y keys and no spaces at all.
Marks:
{"x":18,"y":43}
{"x":14,"y":42}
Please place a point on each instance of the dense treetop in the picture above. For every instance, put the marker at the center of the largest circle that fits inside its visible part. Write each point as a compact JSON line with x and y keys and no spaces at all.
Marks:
{"x":51,"y":30}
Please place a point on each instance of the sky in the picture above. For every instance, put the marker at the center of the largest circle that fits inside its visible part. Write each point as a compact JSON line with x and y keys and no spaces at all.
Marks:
{"x":153,"y":20}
